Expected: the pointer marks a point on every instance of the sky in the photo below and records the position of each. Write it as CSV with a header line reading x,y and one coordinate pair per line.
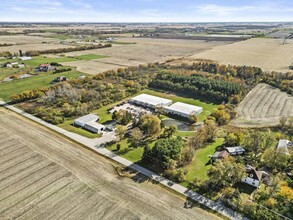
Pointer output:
x,y
146,10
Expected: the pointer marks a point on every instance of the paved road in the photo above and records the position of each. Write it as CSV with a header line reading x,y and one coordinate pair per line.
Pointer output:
x,y
94,145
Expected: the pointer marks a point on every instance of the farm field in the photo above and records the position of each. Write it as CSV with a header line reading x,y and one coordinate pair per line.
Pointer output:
x,y
42,80
142,52
25,43
44,176
269,54
263,106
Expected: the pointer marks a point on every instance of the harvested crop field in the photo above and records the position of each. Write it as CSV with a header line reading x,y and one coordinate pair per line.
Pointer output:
x,y
142,52
44,176
24,43
269,54
263,107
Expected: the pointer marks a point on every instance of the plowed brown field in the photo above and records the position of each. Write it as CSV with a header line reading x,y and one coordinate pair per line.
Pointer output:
x,y
263,107
44,176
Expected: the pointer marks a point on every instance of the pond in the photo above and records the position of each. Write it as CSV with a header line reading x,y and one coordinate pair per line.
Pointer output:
x,y
181,126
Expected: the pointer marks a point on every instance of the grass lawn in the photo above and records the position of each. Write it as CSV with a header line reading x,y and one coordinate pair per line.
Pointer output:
x,y
132,154
89,57
207,107
37,60
198,168
67,125
34,82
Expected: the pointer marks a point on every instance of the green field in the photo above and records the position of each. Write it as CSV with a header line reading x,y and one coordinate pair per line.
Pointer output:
x,y
199,166
37,60
132,154
89,57
34,82
67,125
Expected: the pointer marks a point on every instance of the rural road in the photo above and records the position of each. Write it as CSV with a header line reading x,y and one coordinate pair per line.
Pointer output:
x,y
176,187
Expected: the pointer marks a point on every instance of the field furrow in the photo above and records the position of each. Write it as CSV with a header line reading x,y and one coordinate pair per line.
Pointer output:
x,y
263,107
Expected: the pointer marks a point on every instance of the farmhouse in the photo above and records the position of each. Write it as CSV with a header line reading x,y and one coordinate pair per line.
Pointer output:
x,y
183,109
219,155
253,177
283,146
45,68
94,127
235,150
85,119
150,101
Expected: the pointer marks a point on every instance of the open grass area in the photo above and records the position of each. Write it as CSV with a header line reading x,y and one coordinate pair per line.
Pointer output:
x,y
67,125
132,154
89,57
200,163
34,82
207,107
37,60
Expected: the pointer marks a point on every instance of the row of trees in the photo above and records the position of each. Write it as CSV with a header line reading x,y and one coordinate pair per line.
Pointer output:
x,y
196,85
66,50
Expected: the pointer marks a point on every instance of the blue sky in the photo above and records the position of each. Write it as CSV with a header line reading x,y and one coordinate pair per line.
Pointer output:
x,y
145,10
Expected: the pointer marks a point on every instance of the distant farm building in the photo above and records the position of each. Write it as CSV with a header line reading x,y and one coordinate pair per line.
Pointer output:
x,y
150,101
89,123
183,109
233,151
45,68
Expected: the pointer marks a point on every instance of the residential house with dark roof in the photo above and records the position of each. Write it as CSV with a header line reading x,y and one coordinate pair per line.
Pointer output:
x,y
254,177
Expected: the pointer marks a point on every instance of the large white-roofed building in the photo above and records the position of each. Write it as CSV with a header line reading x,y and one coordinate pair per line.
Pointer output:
x,y
150,101
85,119
183,109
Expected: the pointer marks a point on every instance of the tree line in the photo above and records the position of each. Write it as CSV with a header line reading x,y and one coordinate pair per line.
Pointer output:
x,y
196,85
66,50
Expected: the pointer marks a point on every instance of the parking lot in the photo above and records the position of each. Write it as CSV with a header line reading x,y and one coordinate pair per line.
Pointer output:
x,y
133,109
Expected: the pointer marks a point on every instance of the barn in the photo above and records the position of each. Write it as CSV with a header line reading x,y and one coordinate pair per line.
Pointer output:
x,y
94,127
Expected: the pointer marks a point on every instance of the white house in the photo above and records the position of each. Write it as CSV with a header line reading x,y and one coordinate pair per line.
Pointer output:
x,y
183,109
150,101
94,127
85,119
253,178
283,146
25,58
233,151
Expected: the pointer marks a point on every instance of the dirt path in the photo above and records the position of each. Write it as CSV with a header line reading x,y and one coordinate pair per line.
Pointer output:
x,y
44,176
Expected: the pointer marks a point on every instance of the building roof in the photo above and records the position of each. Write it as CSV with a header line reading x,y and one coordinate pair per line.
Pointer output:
x,y
221,154
45,64
283,145
235,149
184,108
87,118
254,174
151,100
94,124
